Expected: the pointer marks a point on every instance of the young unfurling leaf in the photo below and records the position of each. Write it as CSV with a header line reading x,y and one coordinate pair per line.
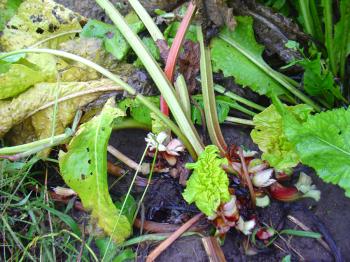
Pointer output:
x,y
208,184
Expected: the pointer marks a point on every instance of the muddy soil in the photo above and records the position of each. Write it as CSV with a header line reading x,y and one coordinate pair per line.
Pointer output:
x,y
165,204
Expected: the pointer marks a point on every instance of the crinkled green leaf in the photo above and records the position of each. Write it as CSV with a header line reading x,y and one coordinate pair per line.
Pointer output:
x,y
269,135
208,184
137,110
84,169
232,62
113,40
323,143
223,106
15,111
36,20
25,72
7,10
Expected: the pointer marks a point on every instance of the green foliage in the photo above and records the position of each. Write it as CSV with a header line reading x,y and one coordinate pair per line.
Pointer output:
x,y
18,76
137,110
208,184
322,142
113,40
84,169
243,62
318,81
223,106
268,134
7,11
152,48
171,31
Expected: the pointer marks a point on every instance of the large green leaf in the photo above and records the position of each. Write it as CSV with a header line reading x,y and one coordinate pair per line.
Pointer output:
x,y
36,20
84,169
208,184
236,53
25,72
269,135
323,143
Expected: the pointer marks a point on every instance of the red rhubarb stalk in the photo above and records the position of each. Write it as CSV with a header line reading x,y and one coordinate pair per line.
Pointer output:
x,y
174,51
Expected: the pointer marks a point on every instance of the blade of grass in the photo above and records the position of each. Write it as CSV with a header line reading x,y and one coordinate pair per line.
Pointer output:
x,y
156,73
209,101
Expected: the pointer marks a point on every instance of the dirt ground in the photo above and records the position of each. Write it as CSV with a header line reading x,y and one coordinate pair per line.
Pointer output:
x,y
164,204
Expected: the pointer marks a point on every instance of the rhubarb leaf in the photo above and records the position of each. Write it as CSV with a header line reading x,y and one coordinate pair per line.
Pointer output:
x,y
208,184
323,143
7,10
84,169
269,135
236,53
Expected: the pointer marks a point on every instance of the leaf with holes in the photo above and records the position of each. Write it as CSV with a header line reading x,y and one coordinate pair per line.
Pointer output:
x,y
84,169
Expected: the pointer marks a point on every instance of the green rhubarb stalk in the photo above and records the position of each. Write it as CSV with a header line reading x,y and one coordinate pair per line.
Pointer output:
x,y
304,6
211,116
120,83
183,95
157,75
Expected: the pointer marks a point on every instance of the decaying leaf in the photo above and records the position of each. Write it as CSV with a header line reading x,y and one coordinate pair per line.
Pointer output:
x,y
36,20
25,72
84,169
18,109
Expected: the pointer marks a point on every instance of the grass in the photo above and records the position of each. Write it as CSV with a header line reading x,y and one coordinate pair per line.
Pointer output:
x,y
30,226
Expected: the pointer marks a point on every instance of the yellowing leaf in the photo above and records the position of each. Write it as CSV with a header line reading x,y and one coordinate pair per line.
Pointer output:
x,y
25,72
36,20
21,107
268,134
84,169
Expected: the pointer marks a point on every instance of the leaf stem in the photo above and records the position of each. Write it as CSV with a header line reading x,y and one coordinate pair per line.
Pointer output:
x,y
328,21
158,77
230,94
237,120
209,101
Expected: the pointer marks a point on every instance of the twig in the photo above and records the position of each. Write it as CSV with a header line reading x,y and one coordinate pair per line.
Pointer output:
x,y
246,176
144,168
166,243
213,249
